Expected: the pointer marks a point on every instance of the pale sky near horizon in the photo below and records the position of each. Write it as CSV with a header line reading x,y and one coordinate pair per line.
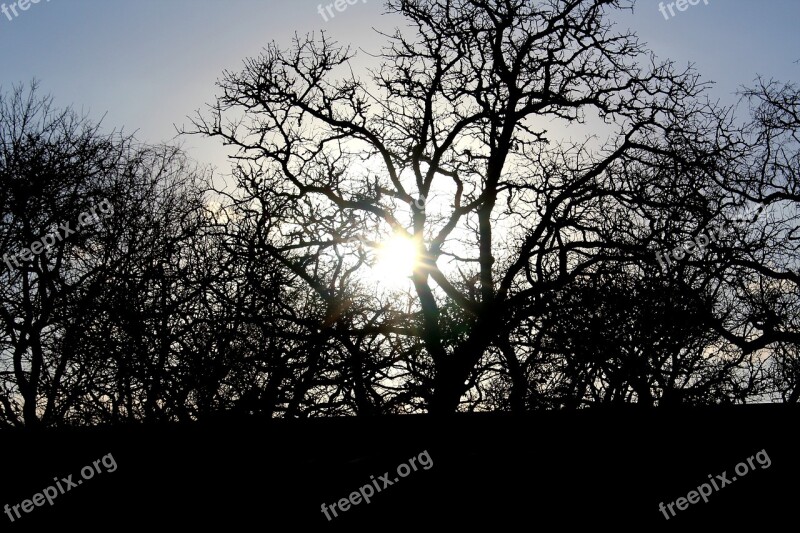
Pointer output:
x,y
147,64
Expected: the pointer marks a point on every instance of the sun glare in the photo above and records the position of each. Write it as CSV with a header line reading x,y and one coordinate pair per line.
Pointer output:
x,y
396,259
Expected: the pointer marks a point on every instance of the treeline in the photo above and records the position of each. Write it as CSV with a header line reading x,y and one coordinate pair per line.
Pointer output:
x,y
538,287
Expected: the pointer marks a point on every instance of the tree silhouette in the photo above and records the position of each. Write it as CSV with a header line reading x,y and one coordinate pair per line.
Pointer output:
x,y
459,116
66,313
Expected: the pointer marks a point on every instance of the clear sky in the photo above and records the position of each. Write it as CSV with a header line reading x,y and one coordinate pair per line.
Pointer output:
x,y
147,64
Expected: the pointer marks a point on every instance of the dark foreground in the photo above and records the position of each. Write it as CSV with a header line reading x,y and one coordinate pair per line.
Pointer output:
x,y
541,471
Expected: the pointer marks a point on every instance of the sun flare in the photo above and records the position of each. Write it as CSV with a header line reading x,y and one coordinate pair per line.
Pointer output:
x,y
396,259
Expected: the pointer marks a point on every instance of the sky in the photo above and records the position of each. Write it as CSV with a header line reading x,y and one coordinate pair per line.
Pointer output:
x,y
144,66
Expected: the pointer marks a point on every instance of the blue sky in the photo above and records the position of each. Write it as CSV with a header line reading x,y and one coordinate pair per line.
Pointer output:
x,y
147,64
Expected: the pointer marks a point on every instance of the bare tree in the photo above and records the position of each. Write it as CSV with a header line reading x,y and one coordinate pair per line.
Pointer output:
x,y
54,166
458,118
75,345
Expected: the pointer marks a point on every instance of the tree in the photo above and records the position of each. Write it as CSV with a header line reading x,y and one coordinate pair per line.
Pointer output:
x,y
46,159
763,271
68,306
457,120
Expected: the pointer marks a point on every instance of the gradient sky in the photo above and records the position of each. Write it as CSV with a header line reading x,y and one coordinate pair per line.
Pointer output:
x,y
147,64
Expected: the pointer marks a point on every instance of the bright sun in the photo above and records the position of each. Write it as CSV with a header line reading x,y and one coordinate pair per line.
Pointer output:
x,y
396,259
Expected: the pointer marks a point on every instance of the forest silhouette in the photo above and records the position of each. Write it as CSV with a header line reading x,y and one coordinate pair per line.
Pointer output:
x,y
532,158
